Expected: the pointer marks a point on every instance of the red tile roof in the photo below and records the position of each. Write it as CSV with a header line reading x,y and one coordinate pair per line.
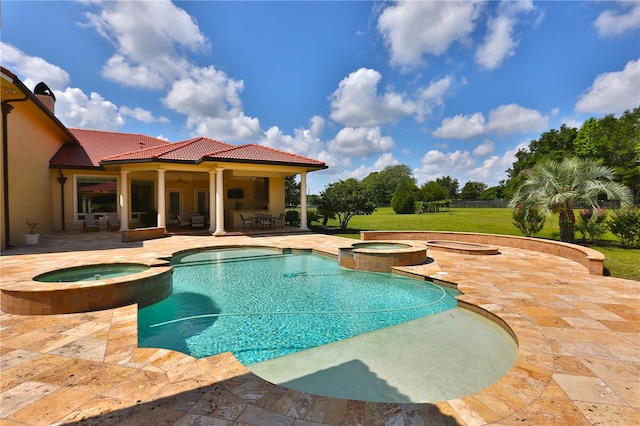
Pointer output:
x,y
191,150
98,148
253,153
96,145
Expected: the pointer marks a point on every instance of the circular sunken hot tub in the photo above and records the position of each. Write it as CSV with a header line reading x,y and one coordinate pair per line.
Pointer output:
x,y
377,246
88,288
463,247
91,272
381,256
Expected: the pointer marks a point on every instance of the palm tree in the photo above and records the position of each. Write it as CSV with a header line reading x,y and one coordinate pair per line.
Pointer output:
x,y
556,186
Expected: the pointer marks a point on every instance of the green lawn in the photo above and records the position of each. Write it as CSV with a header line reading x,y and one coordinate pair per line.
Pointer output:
x,y
622,263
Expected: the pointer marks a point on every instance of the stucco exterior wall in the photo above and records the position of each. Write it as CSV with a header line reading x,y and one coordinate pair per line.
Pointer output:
x,y
31,194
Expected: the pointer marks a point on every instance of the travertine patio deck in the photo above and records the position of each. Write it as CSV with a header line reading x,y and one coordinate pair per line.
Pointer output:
x,y
578,362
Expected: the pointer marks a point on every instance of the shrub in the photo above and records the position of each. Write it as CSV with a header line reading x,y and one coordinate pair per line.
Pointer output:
x,y
292,217
404,198
313,216
591,223
625,224
528,220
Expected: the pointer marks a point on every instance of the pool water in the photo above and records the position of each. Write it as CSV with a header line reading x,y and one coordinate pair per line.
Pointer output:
x,y
261,304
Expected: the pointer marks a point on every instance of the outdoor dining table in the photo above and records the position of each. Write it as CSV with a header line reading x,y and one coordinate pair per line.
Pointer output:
x,y
263,220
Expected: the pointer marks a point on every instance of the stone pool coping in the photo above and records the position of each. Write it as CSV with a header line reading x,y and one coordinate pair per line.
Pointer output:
x,y
577,363
593,260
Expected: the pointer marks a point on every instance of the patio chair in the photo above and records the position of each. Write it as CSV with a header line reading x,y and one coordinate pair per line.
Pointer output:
x,y
197,220
113,223
90,222
278,222
182,222
246,222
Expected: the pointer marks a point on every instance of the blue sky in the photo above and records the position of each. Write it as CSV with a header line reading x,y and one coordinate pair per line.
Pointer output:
x,y
447,88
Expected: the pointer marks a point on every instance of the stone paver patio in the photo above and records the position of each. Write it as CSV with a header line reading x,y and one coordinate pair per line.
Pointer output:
x,y
578,361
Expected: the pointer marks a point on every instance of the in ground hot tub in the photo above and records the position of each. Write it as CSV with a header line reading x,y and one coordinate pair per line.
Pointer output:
x,y
381,256
91,272
88,288
463,247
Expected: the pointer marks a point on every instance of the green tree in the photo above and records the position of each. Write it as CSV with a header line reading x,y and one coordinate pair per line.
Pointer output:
x,y
585,142
493,193
451,185
291,191
557,186
383,184
472,190
346,198
405,197
432,191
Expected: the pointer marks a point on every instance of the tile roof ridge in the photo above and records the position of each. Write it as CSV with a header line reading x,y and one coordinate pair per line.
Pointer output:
x,y
114,133
204,138
283,152
125,153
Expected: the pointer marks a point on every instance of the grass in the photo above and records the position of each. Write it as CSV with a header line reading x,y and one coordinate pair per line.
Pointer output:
x,y
619,262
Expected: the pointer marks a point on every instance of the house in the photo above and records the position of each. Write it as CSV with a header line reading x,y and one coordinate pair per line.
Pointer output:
x,y
54,175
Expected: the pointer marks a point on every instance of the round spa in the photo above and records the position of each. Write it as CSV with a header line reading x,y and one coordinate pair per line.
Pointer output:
x,y
88,288
90,272
381,256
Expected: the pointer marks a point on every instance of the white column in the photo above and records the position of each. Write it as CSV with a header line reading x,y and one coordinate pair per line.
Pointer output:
x,y
213,213
162,200
219,203
303,202
124,200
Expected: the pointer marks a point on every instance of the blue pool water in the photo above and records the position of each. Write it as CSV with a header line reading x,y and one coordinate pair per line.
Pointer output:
x,y
261,304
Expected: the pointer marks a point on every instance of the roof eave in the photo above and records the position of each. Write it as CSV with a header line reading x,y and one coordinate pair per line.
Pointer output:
x,y
24,89
266,162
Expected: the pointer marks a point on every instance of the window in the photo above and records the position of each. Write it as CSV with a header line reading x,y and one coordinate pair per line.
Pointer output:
x,y
96,194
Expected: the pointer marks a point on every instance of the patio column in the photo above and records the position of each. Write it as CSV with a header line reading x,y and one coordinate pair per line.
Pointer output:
x,y
162,201
213,213
219,203
124,200
303,201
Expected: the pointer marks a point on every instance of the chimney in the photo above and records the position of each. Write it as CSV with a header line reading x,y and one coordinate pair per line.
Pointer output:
x,y
46,96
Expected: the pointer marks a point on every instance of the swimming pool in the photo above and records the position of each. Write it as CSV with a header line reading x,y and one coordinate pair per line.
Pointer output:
x,y
261,304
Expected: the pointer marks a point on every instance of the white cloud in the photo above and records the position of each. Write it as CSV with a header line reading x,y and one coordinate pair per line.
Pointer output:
x,y
305,142
436,164
484,149
142,114
498,43
493,169
383,161
75,109
148,37
140,76
411,29
211,102
462,127
432,96
613,92
512,118
611,23
363,170
360,141
32,69
500,40
356,102
505,119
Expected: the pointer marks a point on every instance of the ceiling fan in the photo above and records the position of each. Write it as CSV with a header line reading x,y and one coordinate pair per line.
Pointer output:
x,y
180,180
